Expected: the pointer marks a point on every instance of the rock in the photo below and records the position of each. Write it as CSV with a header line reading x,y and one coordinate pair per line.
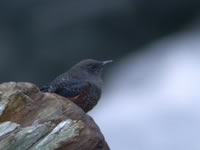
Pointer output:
x,y
32,120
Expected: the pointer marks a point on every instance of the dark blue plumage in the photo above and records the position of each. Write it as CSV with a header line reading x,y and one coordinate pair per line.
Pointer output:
x,y
82,84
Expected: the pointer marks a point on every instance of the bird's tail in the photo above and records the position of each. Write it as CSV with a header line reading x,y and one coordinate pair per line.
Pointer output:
x,y
44,88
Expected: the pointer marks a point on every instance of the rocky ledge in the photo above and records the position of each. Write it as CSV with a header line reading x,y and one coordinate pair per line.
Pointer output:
x,y
32,120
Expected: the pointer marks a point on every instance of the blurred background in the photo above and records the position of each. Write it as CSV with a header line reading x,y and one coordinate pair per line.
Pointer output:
x,y
151,98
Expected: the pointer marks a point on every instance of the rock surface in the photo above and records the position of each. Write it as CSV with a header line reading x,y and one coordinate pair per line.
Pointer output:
x,y
30,119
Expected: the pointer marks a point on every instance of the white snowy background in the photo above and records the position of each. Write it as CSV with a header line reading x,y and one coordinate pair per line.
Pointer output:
x,y
151,101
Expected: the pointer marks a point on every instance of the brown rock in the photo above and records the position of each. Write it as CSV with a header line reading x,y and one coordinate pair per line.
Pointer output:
x,y
30,119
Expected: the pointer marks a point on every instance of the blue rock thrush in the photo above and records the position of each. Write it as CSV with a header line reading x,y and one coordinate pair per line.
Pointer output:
x,y
82,84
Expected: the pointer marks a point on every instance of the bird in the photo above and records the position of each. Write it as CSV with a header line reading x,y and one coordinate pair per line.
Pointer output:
x,y
82,84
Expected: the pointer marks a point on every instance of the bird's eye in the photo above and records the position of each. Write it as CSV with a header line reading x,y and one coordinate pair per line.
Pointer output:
x,y
92,68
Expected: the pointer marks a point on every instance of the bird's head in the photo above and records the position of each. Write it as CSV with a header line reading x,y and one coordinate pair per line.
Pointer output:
x,y
88,69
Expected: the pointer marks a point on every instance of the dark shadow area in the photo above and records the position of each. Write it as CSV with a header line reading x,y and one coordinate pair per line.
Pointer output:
x,y
41,39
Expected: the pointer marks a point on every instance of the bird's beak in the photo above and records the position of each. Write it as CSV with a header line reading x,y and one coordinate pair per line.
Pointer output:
x,y
106,62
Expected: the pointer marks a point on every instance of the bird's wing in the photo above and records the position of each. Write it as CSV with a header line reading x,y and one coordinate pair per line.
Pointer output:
x,y
44,88
68,88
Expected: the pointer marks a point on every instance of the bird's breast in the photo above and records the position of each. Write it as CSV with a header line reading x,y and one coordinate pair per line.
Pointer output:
x,y
87,98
